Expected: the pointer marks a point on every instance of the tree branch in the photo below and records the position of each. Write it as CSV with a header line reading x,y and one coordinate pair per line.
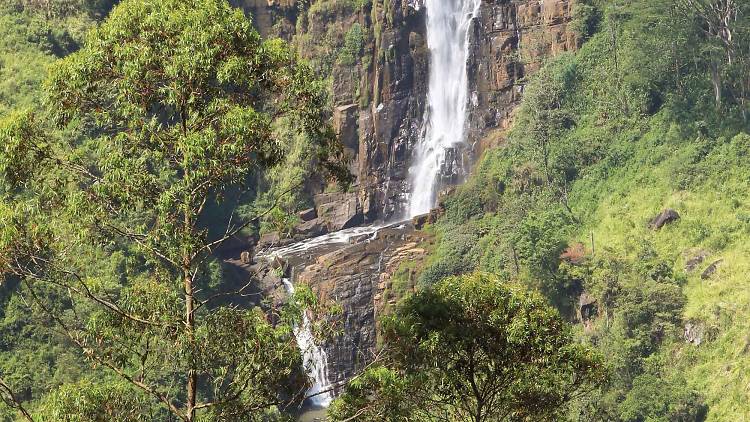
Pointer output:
x,y
10,399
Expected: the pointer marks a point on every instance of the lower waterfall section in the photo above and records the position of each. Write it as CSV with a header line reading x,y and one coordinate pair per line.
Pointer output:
x,y
314,357
354,269
448,24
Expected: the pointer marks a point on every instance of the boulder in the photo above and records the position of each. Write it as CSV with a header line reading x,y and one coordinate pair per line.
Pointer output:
x,y
710,270
312,228
695,261
281,264
430,218
346,126
694,333
587,308
269,240
338,210
420,221
667,216
308,215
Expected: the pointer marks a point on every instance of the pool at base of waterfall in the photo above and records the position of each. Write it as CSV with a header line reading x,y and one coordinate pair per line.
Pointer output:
x,y
317,415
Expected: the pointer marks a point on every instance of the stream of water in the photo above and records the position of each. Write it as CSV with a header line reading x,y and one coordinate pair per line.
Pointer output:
x,y
306,246
314,357
448,24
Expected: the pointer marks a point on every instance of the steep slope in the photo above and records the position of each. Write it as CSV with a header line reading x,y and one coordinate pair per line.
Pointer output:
x,y
621,193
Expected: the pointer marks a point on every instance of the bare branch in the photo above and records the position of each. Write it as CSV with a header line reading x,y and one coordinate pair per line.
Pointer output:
x,y
231,233
7,395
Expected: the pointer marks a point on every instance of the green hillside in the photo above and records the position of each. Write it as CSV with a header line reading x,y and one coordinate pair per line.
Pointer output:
x,y
607,139
593,267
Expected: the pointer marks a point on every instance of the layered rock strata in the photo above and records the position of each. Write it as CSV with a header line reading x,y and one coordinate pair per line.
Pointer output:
x,y
358,278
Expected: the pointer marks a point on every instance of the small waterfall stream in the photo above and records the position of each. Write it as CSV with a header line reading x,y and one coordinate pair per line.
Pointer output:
x,y
448,24
314,357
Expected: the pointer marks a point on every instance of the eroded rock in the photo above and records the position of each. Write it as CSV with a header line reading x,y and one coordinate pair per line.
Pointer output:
x,y
696,260
587,309
311,228
667,216
308,215
430,218
357,277
269,240
338,210
711,269
694,332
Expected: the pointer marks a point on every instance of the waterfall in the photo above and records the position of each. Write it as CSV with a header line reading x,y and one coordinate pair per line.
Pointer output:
x,y
314,358
448,23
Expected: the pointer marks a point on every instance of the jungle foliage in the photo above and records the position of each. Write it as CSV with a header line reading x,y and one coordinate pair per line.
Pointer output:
x,y
107,241
473,348
651,113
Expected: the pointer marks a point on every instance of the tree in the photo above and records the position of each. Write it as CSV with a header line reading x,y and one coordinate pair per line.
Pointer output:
x,y
473,349
724,24
8,397
169,106
717,18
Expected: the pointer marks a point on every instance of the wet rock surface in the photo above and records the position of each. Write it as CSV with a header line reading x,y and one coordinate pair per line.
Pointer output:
x,y
354,276
379,103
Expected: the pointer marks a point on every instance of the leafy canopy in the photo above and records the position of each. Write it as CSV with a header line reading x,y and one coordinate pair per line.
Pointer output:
x,y
473,348
168,107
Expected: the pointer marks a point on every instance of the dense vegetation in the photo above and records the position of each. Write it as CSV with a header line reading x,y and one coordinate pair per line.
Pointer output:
x,y
470,349
122,174
650,114
108,241
33,360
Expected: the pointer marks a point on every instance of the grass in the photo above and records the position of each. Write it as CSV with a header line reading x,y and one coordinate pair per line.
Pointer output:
x,y
713,205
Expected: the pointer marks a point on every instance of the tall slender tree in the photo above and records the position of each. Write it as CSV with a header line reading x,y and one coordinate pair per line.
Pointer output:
x,y
173,104
724,23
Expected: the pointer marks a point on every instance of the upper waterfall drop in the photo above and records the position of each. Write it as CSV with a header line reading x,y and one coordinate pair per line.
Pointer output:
x,y
448,23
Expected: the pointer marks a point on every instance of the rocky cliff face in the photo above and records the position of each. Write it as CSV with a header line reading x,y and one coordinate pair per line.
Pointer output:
x,y
380,99
391,123
379,79
378,61
509,43
358,277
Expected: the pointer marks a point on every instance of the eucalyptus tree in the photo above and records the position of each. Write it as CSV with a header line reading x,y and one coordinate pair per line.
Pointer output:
x,y
474,349
170,106
725,27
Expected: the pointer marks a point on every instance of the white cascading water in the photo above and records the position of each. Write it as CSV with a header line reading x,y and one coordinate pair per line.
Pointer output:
x,y
448,23
314,357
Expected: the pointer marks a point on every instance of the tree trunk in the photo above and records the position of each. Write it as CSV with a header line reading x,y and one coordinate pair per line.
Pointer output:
x,y
744,84
192,377
716,81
